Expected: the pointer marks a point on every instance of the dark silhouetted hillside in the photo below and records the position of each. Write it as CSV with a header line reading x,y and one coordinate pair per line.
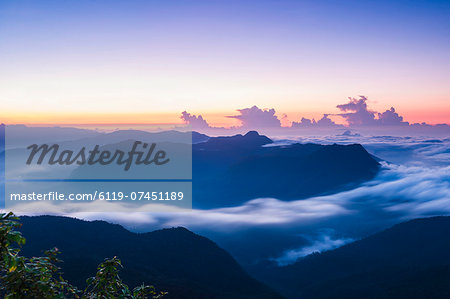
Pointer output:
x,y
242,168
409,260
175,260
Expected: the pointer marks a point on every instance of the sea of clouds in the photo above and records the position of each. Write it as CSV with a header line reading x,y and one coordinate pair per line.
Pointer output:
x,y
414,182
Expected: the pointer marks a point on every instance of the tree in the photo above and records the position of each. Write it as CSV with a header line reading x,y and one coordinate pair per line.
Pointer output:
x,y
39,277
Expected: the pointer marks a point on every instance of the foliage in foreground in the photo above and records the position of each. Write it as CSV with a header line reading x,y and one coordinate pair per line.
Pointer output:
x,y
39,277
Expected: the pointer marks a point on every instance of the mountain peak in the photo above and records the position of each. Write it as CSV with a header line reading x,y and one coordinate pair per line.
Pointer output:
x,y
252,134
251,139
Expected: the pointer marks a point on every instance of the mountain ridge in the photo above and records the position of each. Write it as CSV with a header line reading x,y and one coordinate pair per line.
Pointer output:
x,y
407,260
173,259
243,167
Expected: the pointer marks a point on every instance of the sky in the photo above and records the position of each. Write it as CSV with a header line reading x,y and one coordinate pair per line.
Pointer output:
x,y
147,61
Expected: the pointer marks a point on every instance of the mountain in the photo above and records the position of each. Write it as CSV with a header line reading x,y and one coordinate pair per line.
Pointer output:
x,y
230,170
23,136
250,140
175,260
245,167
409,260
163,136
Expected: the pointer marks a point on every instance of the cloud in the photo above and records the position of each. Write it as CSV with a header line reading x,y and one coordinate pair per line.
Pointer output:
x,y
324,122
415,190
196,122
357,112
254,118
408,191
324,241
425,192
257,212
304,122
391,118
410,187
260,212
349,133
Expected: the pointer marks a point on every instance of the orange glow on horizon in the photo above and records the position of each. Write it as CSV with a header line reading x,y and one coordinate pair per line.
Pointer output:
x,y
216,119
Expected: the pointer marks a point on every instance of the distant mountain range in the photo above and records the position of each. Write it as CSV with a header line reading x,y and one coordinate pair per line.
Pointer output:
x,y
228,171
409,260
231,170
174,260
21,135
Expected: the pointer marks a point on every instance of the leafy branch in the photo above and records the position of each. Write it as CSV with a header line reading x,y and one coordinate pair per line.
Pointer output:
x,y
40,277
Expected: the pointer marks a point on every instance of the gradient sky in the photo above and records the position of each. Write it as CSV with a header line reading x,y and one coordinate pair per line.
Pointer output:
x,y
146,61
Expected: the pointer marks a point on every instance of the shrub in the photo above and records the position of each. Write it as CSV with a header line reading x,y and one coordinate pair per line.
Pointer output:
x,y
39,277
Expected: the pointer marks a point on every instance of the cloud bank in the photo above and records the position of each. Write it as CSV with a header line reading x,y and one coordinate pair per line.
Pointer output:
x,y
254,118
355,113
197,122
413,191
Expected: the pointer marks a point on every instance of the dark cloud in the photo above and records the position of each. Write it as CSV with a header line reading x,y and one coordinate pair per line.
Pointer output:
x,y
254,117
